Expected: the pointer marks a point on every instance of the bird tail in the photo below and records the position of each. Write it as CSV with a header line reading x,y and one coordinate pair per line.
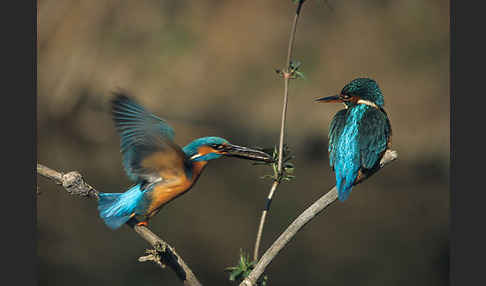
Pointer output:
x,y
117,208
344,184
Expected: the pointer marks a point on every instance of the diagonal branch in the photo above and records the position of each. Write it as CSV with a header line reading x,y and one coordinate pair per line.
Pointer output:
x,y
302,220
287,75
163,253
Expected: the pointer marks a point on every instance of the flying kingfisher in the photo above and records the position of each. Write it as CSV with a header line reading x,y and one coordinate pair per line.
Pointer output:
x,y
161,170
359,134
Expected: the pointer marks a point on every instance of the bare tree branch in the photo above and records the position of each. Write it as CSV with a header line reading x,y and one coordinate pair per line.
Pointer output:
x,y
302,220
262,220
162,254
287,75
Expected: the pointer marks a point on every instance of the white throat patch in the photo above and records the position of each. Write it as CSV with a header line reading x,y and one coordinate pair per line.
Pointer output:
x,y
195,156
367,102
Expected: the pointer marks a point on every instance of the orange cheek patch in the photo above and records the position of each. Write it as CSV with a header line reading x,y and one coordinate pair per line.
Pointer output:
x,y
203,150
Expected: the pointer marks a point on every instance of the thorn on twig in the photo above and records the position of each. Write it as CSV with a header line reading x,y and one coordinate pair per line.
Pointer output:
x,y
155,254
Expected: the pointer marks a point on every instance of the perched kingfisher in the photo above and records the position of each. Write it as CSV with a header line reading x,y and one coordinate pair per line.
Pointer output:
x,y
161,170
359,135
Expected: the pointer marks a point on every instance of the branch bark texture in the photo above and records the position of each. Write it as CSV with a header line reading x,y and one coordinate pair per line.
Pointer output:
x,y
74,184
302,220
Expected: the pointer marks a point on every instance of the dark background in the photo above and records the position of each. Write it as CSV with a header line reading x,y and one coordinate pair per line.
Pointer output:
x,y
208,68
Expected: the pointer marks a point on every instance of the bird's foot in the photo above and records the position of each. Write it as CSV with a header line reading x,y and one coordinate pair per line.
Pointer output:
x,y
143,223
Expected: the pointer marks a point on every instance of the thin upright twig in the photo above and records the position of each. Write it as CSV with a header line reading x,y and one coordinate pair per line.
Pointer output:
x,y
311,212
74,184
287,74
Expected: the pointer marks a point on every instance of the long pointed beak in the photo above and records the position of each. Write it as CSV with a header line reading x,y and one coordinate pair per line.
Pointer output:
x,y
334,98
246,153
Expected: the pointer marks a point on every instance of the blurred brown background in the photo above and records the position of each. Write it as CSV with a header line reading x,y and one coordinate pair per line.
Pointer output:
x,y
208,68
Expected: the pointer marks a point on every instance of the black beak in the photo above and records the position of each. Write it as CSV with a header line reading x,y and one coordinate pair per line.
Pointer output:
x,y
329,99
246,153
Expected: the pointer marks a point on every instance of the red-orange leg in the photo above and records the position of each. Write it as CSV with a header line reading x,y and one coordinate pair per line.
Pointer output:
x,y
143,223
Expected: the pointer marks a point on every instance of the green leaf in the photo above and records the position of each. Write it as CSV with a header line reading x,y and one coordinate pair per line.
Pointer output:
x,y
299,74
235,273
243,269
295,65
288,167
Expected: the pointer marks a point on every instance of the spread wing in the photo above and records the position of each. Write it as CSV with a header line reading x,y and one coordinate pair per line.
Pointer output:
x,y
374,135
146,142
335,129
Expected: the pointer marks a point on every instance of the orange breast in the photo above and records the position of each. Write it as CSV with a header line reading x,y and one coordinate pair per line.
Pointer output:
x,y
166,192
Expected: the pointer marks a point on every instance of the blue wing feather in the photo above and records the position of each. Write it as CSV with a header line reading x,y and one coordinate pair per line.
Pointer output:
x,y
335,129
130,117
142,134
345,151
374,134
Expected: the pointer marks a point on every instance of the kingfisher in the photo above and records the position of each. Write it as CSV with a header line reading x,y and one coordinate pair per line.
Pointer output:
x,y
161,170
359,134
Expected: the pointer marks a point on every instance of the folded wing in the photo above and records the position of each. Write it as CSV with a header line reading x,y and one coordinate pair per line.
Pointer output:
x,y
335,129
374,134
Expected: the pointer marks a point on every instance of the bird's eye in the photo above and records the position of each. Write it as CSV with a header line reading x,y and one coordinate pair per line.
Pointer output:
x,y
345,96
219,147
